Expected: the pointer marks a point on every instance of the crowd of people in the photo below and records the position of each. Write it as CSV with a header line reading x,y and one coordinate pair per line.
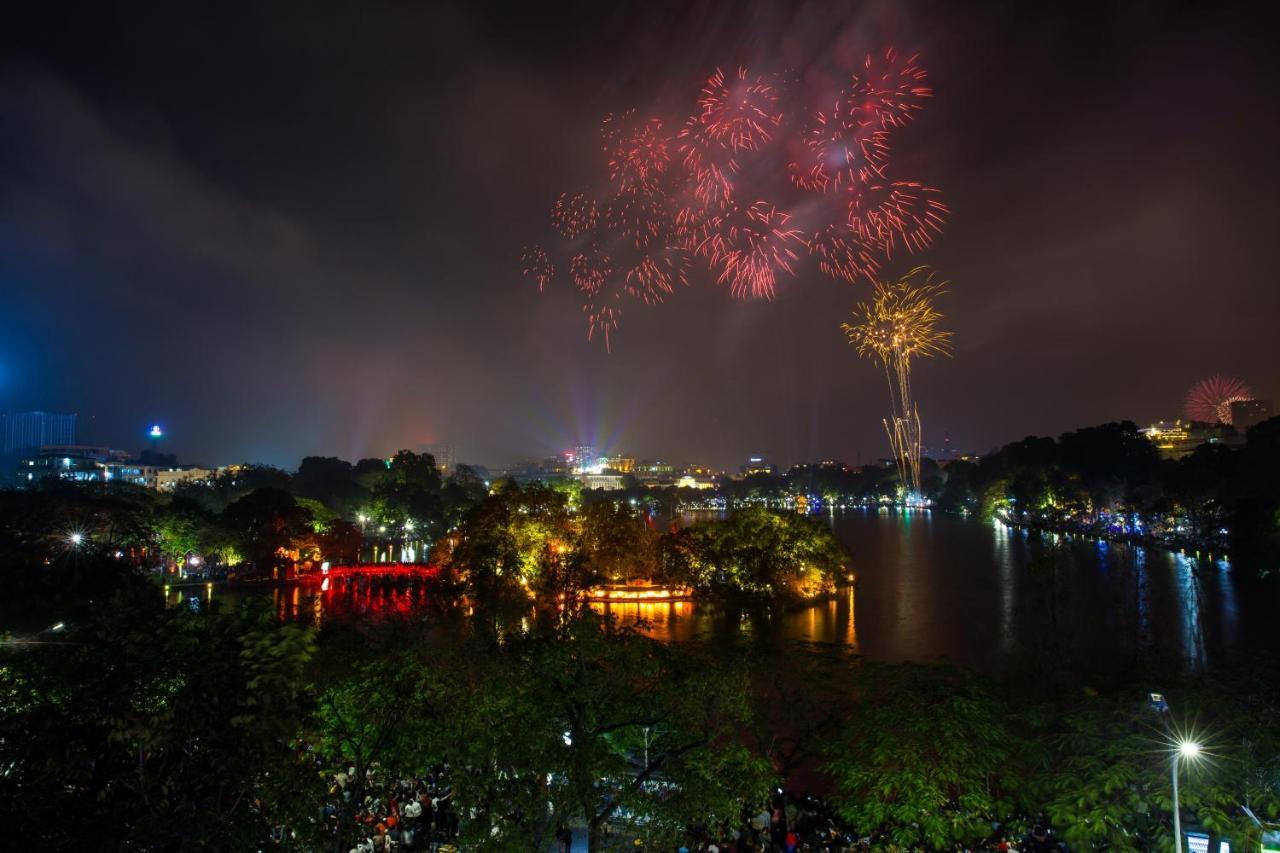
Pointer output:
x,y
407,814
417,814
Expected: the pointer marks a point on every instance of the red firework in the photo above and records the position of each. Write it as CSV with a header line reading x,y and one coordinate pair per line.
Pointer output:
x,y
738,111
676,196
653,279
907,213
589,271
843,253
537,265
839,148
889,89
573,215
638,151
1209,400
592,272
750,247
640,215
709,165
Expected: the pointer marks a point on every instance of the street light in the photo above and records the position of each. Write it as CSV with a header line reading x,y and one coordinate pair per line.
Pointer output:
x,y
1189,750
1184,749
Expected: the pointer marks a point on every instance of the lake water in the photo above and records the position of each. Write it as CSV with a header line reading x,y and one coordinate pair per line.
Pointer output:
x,y
932,586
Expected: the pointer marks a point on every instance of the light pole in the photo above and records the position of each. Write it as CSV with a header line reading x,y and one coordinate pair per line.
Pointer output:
x,y
1184,749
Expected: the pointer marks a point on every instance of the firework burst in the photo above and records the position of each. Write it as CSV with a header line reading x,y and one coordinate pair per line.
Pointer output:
x,y
738,111
638,151
897,325
710,167
574,215
890,89
536,265
750,247
684,191
843,253
1209,400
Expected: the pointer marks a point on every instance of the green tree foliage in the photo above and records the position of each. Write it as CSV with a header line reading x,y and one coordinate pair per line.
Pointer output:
x,y
920,756
265,521
410,491
147,728
601,725
510,538
758,552
615,543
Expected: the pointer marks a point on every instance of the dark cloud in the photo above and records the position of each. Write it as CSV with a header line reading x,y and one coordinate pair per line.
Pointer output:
x,y
287,229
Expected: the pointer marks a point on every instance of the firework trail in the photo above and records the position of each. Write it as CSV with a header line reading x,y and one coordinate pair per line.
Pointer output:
x,y
897,325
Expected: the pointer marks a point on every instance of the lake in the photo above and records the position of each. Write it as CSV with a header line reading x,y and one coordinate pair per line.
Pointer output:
x,y
933,586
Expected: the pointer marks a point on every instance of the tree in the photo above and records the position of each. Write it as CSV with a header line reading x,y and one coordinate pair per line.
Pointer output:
x,y
265,522
615,542
332,482
602,725
410,491
148,728
920,757
379,705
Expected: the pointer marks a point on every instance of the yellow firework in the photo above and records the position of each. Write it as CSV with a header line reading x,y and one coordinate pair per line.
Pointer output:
x,y
899,324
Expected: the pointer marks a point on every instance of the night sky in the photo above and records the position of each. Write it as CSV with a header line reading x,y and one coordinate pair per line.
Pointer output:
x,y
282,230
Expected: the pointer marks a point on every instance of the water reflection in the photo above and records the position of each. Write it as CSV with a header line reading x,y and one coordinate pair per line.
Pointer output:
x,y
929,586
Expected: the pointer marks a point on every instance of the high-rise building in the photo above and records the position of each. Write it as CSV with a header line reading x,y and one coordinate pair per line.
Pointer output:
x,y
584,459
25,432
442,453
1247,413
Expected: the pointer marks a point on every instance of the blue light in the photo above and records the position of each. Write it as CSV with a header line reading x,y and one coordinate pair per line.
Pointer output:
x,y
155,431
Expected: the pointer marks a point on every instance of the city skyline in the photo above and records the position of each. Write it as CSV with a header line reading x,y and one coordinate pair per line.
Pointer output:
x,y
276,259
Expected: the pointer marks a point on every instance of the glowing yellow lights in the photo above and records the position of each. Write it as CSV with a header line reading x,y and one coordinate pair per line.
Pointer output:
x,y
637,592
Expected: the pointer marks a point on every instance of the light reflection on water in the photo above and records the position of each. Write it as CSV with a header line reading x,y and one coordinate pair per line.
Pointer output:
x,y
929,586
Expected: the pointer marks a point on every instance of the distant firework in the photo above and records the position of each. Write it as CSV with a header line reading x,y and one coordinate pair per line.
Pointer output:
x,y
1209,400
537,266
573,215
761,174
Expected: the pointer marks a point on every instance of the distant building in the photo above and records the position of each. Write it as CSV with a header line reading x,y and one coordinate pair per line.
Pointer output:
x,y
689,481
584,459
167,479
442,453
650,470
618,462
26,432
1247,413
600,481
1176,439
757,465
84,464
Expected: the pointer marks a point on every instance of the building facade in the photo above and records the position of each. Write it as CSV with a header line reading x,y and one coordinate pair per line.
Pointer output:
x,y
26,432
84,464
